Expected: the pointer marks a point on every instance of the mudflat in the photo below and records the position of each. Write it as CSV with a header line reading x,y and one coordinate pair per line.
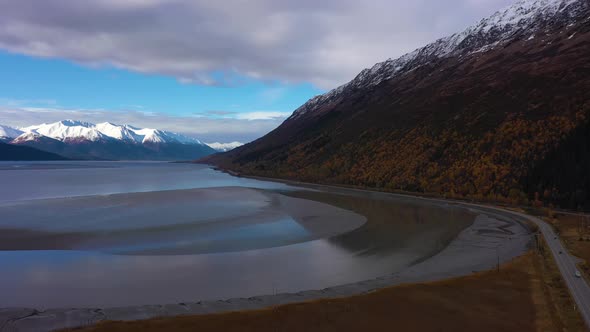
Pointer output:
x,y
138,251
176,222
186,245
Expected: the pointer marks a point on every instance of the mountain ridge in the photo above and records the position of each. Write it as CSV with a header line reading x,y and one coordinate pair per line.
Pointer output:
x,y
73,129
483,121
499,26
83,140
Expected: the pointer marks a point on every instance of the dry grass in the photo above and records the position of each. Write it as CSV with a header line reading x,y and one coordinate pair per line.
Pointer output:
x,y
521,297
574,231
553,303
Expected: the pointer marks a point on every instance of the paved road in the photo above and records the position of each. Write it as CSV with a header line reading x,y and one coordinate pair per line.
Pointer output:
x,y
578,287
566,263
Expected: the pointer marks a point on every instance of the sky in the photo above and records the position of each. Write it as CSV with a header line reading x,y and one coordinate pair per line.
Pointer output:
x,y
216,70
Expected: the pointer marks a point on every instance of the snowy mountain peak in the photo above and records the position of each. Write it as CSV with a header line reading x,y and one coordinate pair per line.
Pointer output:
x,y
27,137
521,20
67,129
78,130
224,147
152,136
9,132
524,10
74,123
117,132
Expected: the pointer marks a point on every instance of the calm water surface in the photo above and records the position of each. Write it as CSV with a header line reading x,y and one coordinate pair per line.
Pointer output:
x,y
33,180
96,234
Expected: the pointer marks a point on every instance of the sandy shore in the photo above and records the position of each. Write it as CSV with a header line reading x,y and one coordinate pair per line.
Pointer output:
x,y
493,238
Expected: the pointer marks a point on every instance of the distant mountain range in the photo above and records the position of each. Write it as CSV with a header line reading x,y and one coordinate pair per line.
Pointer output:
x,y
224,147
499,111
105,141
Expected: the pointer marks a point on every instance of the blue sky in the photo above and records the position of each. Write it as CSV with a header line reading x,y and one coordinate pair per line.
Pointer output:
x,y
216,70
65,84
45,84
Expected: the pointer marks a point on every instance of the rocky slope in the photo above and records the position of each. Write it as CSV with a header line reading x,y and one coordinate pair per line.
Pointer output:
x,y
484,113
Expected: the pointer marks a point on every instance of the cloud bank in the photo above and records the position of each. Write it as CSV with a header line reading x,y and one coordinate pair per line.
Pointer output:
x,y
219,42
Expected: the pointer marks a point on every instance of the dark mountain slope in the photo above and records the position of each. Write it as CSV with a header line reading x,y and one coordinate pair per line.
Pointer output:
x,y
563,177
118,150
24,153
483,123
110,149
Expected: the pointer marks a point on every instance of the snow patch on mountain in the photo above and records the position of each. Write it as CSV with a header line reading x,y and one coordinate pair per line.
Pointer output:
x,y
27,137
122,133
529,16
149,135
9,132
67,129
224,147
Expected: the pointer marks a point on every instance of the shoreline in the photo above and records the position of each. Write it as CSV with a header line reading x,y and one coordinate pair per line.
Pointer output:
x,y
492,239
424,195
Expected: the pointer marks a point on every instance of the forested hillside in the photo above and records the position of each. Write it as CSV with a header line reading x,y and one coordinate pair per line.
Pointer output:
x,y
507,123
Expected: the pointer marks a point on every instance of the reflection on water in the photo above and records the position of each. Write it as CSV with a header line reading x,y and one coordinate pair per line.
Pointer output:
x,y
394,224
83,279
67,179
229,242
176,222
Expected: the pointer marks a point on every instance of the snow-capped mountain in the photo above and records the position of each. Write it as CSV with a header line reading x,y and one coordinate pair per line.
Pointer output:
x,y
498,109
70,129
7,133
67,129
224,147
27,137
529,17
83,140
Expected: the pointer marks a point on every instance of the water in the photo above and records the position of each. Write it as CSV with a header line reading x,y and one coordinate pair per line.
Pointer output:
x,y
34,180
100,234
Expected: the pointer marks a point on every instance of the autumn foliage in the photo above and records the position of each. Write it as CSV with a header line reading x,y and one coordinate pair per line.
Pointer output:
x,y
510,125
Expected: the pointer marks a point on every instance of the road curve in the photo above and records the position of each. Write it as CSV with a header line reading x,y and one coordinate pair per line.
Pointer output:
x,y
578,287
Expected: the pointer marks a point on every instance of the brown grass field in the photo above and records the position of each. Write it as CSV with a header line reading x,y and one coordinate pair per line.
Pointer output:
x,y
525,295
574,230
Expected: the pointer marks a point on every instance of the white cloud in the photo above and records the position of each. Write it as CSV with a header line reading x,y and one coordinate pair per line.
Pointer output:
x,y
250,116
323,42
22,102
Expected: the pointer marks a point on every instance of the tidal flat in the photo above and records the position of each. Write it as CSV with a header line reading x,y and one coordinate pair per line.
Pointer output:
x,y
117,238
